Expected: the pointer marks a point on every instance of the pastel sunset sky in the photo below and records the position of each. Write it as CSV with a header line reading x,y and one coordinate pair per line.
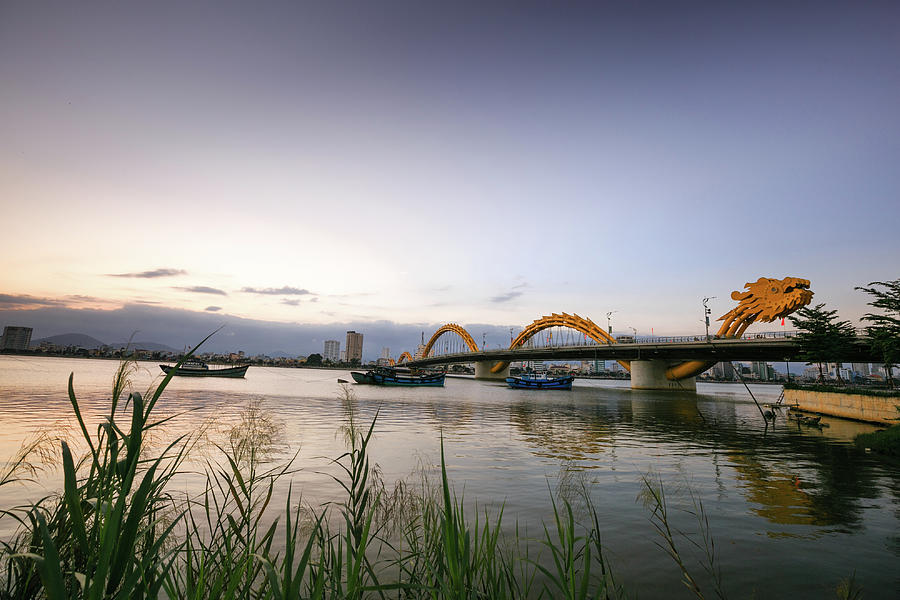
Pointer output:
x,y
417,163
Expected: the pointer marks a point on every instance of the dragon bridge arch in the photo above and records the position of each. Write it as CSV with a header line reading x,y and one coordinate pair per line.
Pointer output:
x,y
451,328
580,324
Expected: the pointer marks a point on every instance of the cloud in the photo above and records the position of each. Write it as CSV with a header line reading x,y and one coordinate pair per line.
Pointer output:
x,y
213,308
291,302
81,298
152,274
510,295
9,301
282,291
506,297
201,289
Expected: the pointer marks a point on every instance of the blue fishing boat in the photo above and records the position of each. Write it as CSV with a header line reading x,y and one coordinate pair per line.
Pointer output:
x,y
530,382
399,377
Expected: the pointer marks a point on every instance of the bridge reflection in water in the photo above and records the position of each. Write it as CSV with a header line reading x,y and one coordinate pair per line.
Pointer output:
x,y
789,476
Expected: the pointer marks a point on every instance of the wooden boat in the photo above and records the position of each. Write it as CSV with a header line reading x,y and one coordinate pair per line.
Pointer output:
x,y
198,368
399,377
362,377
541,383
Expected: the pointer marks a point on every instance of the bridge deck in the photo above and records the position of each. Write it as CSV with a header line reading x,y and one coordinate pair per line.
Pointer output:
x,y
768,349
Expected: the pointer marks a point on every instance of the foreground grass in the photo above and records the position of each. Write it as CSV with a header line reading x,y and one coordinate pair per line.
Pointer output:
x,y
116,531
886,441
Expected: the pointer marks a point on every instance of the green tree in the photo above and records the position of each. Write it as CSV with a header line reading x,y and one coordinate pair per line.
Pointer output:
x,y
821,338
884,331
314,360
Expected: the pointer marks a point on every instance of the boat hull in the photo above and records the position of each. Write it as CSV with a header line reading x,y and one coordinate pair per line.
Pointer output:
x,y
365,378
232,372
552,383
409,380
388,378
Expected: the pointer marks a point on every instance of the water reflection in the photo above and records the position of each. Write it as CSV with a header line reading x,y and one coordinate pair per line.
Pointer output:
x,y
788,478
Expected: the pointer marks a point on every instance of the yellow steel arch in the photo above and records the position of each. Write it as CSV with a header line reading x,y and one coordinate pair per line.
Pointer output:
x,y
406,356
580,324
454,328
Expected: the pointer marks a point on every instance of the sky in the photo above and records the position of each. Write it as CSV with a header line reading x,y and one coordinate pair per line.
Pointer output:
x,y
392,166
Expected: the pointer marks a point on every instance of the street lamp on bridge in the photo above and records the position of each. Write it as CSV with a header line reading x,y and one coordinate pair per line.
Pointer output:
x,y
706,312
609,323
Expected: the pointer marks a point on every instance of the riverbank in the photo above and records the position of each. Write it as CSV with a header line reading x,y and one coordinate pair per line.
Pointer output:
x,y
860,404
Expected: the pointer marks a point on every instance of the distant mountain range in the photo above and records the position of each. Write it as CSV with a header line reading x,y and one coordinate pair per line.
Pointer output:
x,y
85,341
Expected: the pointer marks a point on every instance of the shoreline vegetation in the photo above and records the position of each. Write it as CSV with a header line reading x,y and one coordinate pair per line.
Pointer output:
x,y
858,390
117,530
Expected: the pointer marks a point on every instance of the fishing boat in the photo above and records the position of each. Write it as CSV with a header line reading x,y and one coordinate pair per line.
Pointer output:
x,y
398,377
198,368
363,377
531,382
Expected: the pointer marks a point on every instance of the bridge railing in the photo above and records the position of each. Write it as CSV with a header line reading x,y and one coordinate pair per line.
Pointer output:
x,y
763,335
679,339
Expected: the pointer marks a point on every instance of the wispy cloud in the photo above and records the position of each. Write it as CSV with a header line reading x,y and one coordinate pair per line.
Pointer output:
x,y
512,294
291,302
505,297
10,301
201,289
151,274
282,291
213,308
81,298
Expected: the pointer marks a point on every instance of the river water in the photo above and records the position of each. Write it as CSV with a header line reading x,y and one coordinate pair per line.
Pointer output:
x,y
792,509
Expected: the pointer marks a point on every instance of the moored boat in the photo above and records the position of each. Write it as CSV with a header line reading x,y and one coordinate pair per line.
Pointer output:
x,y
540,383
362,377
198,368
399,377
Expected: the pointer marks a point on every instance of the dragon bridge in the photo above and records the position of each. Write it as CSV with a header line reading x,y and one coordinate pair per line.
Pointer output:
x,y
764,300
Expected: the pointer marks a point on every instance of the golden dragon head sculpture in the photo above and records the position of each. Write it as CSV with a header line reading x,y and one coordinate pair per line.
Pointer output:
x,y
765,300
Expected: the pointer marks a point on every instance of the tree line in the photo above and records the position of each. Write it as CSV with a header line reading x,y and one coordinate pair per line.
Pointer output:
x,y
824,339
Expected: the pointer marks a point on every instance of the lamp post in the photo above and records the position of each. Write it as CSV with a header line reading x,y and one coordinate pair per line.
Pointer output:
x,y
609,323
706,312
635,333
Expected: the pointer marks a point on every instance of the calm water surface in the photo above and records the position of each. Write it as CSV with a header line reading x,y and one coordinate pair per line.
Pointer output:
x,y
793,510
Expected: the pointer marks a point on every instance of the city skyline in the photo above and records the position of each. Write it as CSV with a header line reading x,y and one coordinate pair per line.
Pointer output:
x,y
360,167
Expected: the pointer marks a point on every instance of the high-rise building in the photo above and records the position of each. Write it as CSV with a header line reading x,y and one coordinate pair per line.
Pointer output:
x,y
723,370
332,351
354,346
762,370
420,349
385,352
15,338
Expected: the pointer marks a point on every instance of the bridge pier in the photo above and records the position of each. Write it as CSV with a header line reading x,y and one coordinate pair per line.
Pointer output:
x,y
483,371
651,375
